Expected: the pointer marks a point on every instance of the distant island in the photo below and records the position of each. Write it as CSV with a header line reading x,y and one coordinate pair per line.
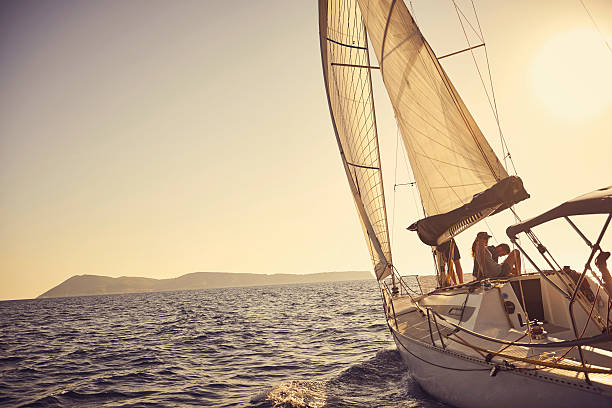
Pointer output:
x,y
87,285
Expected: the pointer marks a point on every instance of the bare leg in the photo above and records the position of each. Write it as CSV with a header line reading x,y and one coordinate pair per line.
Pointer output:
x,y
514,261
442,278
601,264
459,271
517,256
452,279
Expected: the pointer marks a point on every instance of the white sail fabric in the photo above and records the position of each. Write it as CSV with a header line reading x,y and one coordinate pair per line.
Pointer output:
x,y
344,52
450,158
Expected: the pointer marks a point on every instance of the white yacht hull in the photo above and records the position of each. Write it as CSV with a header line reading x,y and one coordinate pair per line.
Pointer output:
x,y
470,384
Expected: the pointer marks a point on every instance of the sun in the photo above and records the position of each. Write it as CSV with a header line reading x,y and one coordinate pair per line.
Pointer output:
x,y
571,75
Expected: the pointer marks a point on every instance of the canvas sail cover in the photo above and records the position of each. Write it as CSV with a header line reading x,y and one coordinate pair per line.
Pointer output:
x,y
438,228
450,158
345,57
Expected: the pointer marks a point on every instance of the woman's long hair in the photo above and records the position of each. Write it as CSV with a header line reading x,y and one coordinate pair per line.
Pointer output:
x,y
474,244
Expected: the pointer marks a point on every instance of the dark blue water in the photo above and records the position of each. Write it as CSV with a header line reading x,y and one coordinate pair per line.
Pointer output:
x,y
315,345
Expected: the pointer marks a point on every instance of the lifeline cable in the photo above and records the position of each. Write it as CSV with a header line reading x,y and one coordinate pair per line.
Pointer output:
x,y
578,342
434,364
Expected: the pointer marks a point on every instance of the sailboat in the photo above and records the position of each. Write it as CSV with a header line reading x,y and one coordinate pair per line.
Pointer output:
x,y
534,339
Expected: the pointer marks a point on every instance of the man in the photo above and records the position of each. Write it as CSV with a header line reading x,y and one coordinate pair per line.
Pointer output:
x,y
496,252
448,251
486,266
499,250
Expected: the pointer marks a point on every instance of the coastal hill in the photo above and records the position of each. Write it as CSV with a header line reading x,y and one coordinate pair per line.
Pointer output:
x,y
84,285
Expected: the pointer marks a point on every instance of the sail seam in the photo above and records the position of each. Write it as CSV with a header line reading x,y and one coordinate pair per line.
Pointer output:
x,y
346,45
361,166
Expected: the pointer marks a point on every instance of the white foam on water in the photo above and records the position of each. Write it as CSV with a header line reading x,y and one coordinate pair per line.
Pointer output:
x,y
298,394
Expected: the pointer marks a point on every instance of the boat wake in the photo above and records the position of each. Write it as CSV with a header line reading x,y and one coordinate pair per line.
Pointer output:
x,y
299,393
382,381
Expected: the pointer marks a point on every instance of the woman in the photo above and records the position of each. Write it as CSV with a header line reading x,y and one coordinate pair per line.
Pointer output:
x,y
489,268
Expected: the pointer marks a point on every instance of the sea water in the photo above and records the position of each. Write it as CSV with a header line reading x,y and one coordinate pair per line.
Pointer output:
x,y
310,345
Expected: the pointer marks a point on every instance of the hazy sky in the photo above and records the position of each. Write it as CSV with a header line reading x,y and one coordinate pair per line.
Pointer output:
x,y
157,138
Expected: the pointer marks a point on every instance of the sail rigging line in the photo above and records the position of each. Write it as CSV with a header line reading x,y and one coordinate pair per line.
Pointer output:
x,y
490,230
439,172
443,178
406,161
493,107
586,324
496,111
508,345
396,184
409,170
394,187
526,314
596,26
491,99
460,51
412,13
467,20
446,82
403,284
598,338
435,364
543,365
504,143
506,367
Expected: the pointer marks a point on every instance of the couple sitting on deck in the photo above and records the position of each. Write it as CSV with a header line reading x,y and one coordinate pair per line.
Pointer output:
x,y
486,259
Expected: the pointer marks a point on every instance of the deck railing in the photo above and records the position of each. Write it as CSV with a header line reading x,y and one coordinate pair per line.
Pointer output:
x,y
433,317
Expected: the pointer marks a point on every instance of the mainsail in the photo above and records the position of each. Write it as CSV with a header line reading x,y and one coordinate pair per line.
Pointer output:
x,y
345,57
451,160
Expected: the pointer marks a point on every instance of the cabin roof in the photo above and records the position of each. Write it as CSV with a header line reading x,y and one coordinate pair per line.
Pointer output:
x,y
595,202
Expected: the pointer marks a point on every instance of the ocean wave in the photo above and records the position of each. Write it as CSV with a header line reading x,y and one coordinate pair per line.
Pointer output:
x,y
297,346
10,360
